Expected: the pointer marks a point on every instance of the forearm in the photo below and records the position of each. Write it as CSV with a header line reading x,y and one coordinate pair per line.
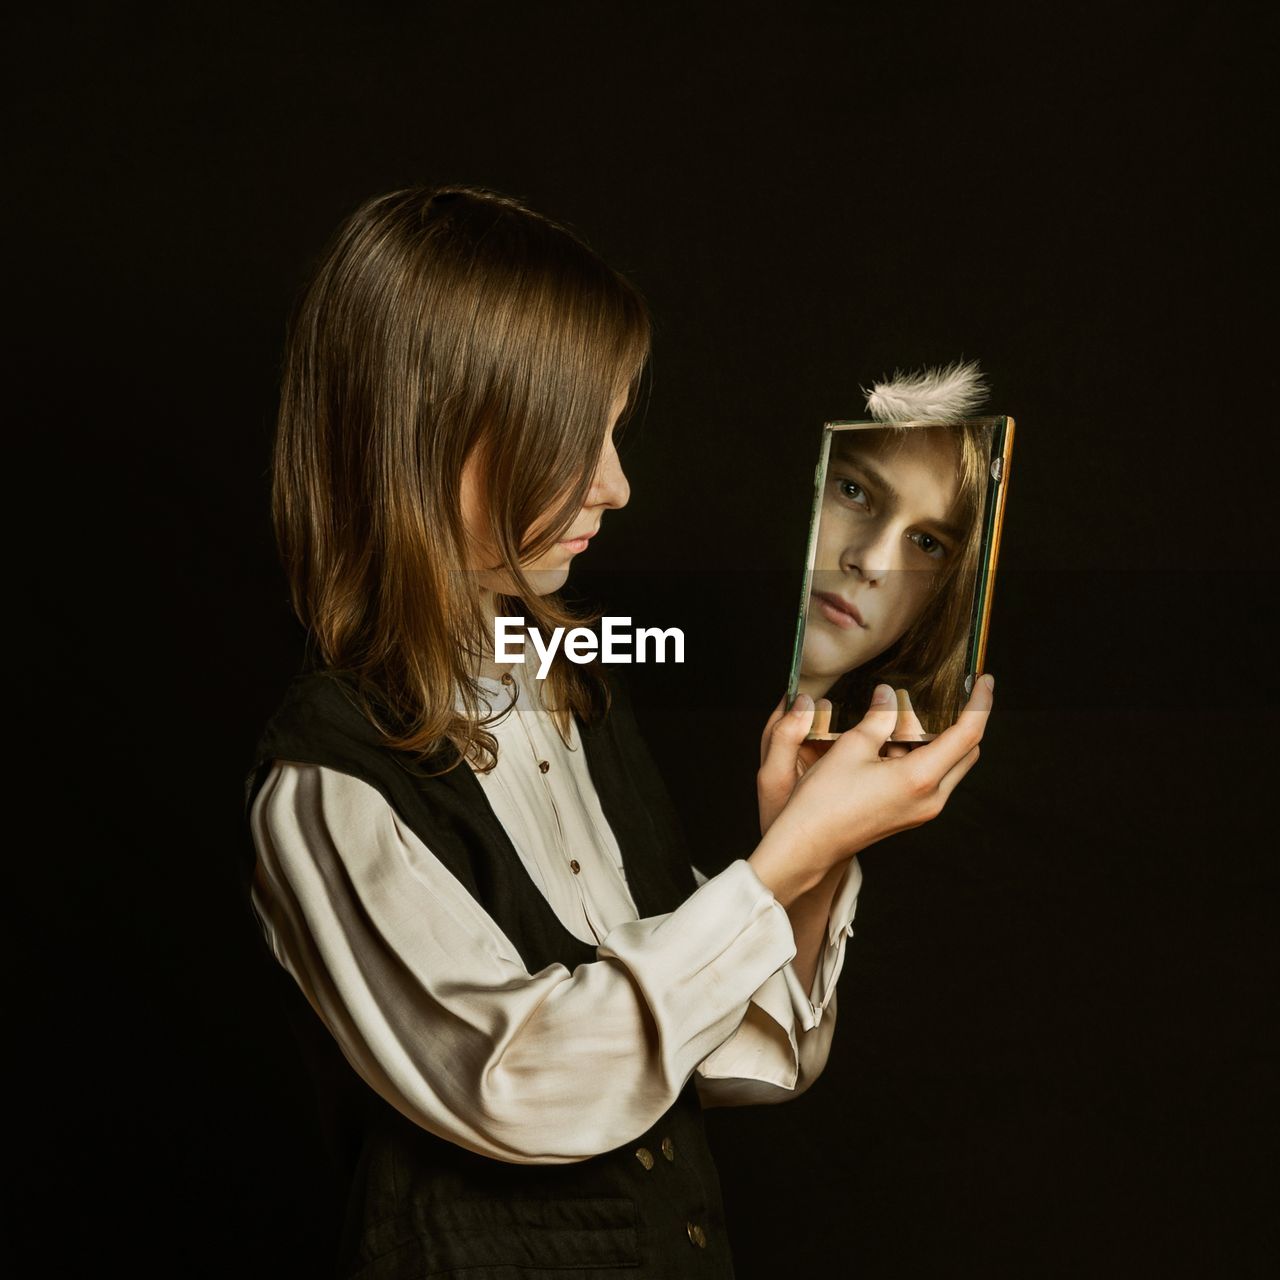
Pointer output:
x,y
435,1009
809,914
805,893
788,877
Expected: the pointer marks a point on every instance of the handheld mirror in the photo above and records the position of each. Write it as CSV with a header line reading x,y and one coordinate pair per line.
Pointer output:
x,y
900,568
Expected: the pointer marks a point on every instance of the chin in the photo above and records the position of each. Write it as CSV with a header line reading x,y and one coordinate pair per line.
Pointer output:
x,y
826,655
822,663
546,581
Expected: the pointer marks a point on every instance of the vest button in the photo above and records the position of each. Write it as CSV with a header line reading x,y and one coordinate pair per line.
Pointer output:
x,y
576,865
696,1235
544,765
645,1156
668,1148
506,678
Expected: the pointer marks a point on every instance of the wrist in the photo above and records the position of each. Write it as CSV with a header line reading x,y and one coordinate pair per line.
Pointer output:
x,y
787,873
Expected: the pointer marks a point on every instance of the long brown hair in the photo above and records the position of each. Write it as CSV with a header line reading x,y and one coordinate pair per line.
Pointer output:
x,y
443,320
929,658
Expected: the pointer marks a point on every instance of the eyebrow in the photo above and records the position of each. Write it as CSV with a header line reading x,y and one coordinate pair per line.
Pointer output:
x,y
877,477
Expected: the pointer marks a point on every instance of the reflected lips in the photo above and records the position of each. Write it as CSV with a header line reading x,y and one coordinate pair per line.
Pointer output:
x,y
837,610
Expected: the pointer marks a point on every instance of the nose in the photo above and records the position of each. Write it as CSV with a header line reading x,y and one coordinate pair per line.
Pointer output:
x,y
609,486
873,559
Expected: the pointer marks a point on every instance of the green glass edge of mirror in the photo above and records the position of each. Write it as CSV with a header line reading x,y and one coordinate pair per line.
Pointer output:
x,y
992,519
819,480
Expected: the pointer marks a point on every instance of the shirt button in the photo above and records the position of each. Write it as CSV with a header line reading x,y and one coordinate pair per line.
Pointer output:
x,y
696,1234
668,1148
645,1156
576,865
544,765
506,678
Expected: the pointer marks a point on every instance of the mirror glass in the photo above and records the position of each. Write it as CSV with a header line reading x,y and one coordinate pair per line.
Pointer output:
x,y
898,581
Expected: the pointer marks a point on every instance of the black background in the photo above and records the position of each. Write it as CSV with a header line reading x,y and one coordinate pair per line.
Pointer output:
x,y
1050,1057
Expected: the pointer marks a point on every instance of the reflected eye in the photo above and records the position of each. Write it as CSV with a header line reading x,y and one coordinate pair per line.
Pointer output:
x,y
929,545
852,491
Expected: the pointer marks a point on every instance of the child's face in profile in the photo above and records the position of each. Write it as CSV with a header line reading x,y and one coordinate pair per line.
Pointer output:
x,y
887,528
549,571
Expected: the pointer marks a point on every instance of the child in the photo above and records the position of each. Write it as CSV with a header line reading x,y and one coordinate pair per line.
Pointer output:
x,y
476,879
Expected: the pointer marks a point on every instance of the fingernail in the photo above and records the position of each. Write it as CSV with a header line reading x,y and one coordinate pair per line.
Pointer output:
x,y
883,696
990,682
802,705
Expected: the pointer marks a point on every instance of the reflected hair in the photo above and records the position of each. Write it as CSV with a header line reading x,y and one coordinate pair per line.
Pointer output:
x,y
442,321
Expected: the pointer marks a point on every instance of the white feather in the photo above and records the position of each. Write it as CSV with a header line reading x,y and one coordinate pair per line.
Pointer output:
x,y
946,394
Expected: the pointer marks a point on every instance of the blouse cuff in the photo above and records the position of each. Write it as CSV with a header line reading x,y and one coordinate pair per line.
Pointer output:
x,y
767,1048
809,1006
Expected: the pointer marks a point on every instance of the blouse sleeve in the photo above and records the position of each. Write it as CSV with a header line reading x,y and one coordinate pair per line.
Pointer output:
x,y
433,1007
784,1040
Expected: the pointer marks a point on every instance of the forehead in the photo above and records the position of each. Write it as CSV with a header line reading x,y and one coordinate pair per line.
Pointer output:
x,y
920,465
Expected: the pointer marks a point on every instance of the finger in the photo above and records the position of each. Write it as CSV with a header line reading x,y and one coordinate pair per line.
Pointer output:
x,y
778,767
778,712
935,759
908,725
951,779
866,737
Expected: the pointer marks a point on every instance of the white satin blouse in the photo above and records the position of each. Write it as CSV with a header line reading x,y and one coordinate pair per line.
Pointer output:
x,y
433,1007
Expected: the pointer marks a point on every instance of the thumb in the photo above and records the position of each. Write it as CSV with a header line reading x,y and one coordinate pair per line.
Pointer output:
x,y
877,726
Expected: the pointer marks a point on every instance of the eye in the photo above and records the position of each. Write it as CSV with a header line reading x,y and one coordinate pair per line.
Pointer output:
x,y
929,545
851,491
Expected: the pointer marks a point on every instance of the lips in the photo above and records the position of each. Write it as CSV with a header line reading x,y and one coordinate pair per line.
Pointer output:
x,y
582,537
841,611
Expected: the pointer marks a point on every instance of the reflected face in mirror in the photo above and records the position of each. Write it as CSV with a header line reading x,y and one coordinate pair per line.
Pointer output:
x,y
889,533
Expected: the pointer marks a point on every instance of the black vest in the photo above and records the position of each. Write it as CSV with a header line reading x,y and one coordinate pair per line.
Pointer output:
x,y
418,1205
